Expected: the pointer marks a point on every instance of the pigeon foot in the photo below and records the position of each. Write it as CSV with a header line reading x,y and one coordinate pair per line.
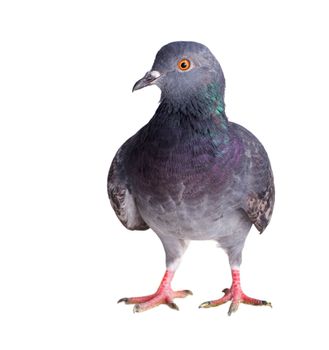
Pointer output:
x,y
236,295
164,295
150,301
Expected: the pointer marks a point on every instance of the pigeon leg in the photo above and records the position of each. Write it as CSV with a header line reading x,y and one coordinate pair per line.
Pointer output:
x,y
164,295
236,295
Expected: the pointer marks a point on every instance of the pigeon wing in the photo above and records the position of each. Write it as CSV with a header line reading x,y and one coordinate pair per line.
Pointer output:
x,y
260,205
259,201
120,195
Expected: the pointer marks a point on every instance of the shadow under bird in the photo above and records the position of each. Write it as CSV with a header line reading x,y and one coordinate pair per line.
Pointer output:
x,y
190,174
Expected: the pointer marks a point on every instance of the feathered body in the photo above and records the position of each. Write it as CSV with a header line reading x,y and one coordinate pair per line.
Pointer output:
x,y
190,174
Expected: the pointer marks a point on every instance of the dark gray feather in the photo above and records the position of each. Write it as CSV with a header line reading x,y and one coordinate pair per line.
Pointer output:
x,y
122,201
260,208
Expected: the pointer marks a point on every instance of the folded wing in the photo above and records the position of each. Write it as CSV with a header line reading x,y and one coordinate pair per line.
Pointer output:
x,y
120,195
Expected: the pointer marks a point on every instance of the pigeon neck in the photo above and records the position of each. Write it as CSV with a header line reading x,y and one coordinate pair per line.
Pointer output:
x,y
203,108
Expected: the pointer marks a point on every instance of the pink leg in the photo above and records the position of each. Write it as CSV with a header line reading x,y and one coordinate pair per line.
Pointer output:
x,y
164,295
235,294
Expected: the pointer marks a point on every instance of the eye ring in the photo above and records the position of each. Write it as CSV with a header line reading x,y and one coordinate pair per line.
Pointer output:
x,y
184,64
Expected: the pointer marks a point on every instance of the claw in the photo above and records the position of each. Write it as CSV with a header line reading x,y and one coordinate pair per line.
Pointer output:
x,y
123,300
267,303
137,308
205,305
233,307
173,306
188,292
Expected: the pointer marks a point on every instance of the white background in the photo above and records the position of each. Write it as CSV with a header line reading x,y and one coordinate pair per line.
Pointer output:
x,y
66,73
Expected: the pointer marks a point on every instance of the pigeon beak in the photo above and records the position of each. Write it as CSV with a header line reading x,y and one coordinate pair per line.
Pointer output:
x,y
148,79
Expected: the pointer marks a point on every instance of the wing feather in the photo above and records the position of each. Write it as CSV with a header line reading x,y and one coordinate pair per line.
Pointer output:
x,y
260,207
121,198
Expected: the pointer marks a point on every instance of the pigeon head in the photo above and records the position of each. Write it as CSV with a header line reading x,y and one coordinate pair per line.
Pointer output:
x,y
184,70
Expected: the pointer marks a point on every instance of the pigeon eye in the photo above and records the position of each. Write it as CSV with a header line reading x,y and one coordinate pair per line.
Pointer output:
x,y
184,64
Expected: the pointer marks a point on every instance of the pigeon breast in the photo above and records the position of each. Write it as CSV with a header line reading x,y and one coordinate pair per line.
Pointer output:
x,y
185,174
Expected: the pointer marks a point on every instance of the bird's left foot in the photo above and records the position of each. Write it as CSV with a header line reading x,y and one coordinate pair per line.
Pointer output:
x,y
236,295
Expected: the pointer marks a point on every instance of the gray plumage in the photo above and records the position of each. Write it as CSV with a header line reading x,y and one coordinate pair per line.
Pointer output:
x,y
190,174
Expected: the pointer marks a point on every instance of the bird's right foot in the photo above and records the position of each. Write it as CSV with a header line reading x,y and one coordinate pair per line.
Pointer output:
x,y
160,297
164,295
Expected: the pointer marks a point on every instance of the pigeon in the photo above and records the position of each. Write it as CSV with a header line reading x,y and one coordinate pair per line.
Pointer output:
x,y
190,174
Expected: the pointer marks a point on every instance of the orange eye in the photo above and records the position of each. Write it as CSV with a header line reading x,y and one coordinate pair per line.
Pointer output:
x,y
184,64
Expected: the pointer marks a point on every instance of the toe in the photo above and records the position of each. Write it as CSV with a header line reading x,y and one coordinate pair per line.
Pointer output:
x,y
224,299
181,293
252,301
